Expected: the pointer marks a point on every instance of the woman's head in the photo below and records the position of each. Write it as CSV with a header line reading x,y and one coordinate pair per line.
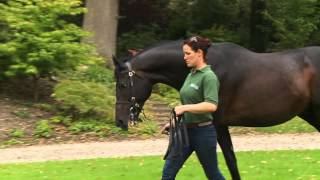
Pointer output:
x,y
197,42
195,49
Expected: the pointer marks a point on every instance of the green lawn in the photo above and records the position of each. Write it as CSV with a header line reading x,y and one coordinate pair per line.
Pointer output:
x,y
259,165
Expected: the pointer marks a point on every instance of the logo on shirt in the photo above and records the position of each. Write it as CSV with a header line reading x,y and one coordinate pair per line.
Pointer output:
x,y
194,86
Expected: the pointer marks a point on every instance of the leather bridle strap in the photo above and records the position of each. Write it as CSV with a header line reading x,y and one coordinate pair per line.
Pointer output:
x,y
135,107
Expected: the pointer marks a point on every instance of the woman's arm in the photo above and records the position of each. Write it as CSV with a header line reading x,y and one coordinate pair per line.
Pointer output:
x,y
199,108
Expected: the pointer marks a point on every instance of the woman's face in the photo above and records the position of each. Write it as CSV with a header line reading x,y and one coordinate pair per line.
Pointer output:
x,y
192,58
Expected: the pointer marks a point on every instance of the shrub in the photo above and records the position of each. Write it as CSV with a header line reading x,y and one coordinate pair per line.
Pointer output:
x,y
87,125
220,34
61,119
95,73
82,99
166,93
17,133
41,42
45,107
10,142
21,114
43,129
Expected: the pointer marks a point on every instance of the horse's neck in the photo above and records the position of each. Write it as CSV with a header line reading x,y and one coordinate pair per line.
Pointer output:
x,y
167,70
168,76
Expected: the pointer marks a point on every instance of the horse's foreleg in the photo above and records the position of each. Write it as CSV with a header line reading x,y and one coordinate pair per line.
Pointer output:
x,y
224,140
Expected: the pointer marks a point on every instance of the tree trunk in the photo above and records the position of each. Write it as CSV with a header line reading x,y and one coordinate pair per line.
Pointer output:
x,y
102,20
258,26
35,81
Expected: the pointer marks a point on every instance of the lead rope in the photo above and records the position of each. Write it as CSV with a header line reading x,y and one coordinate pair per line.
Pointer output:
x,y
176,140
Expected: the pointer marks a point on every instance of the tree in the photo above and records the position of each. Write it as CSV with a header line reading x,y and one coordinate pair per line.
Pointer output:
x,y
258,26
295,23
102,20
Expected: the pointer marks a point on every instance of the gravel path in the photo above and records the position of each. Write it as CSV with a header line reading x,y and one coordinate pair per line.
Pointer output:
x,y
149,147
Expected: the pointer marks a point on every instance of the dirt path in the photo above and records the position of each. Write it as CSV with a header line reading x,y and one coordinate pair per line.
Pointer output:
x,y
149,147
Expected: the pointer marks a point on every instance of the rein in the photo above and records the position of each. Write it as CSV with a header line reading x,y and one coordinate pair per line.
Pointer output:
x,y
178,136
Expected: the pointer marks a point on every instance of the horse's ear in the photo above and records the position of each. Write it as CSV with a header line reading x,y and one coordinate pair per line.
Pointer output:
x,y
133,52
117,63
114,59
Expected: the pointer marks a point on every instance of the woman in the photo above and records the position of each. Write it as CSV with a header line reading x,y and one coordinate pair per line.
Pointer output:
x,y
199,97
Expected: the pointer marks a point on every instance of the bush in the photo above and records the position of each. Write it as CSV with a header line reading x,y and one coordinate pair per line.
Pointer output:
x,y
95,73
17,133
61,119
166,93
220,34
43,129
81,99
45,107
41,42
87,125
21,114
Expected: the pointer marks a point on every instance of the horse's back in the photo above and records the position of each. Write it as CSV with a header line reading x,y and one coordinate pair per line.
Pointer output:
x,y
261,88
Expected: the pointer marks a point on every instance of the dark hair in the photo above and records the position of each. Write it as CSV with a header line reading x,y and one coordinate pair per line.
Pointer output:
x,y
197,42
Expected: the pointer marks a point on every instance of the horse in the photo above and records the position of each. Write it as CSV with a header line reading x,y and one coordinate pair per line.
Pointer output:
x,y
256,89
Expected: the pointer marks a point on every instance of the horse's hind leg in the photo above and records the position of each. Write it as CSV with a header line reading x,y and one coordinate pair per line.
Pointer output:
x,y
312,116
224,140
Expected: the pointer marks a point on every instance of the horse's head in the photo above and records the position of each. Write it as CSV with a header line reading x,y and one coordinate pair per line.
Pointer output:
x,y
132,90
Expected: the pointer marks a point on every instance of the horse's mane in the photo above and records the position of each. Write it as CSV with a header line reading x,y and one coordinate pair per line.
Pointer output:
x,y
167,44
159,44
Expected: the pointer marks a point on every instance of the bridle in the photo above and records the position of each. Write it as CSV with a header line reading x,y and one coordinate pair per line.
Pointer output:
x,y
135,107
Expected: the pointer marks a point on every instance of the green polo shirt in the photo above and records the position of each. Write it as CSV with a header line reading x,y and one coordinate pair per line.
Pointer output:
x,y
200,86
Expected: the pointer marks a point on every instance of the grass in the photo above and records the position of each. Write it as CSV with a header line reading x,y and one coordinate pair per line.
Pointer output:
x,y
258,165
295,125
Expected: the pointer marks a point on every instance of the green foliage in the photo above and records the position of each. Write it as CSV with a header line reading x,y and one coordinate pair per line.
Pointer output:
x,y
9,143
41,42
61,119
220,34
145,128
85,98
138,38
296,125
45,107
17,133
43,129
97,74
294,22
87,125
284,24
21,113
206,13
166,93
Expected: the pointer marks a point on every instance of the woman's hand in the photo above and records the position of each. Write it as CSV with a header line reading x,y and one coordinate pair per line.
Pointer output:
x,y
179,110
165,129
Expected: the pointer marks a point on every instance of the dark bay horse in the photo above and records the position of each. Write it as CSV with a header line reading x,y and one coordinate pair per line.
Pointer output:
x,y
256,89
